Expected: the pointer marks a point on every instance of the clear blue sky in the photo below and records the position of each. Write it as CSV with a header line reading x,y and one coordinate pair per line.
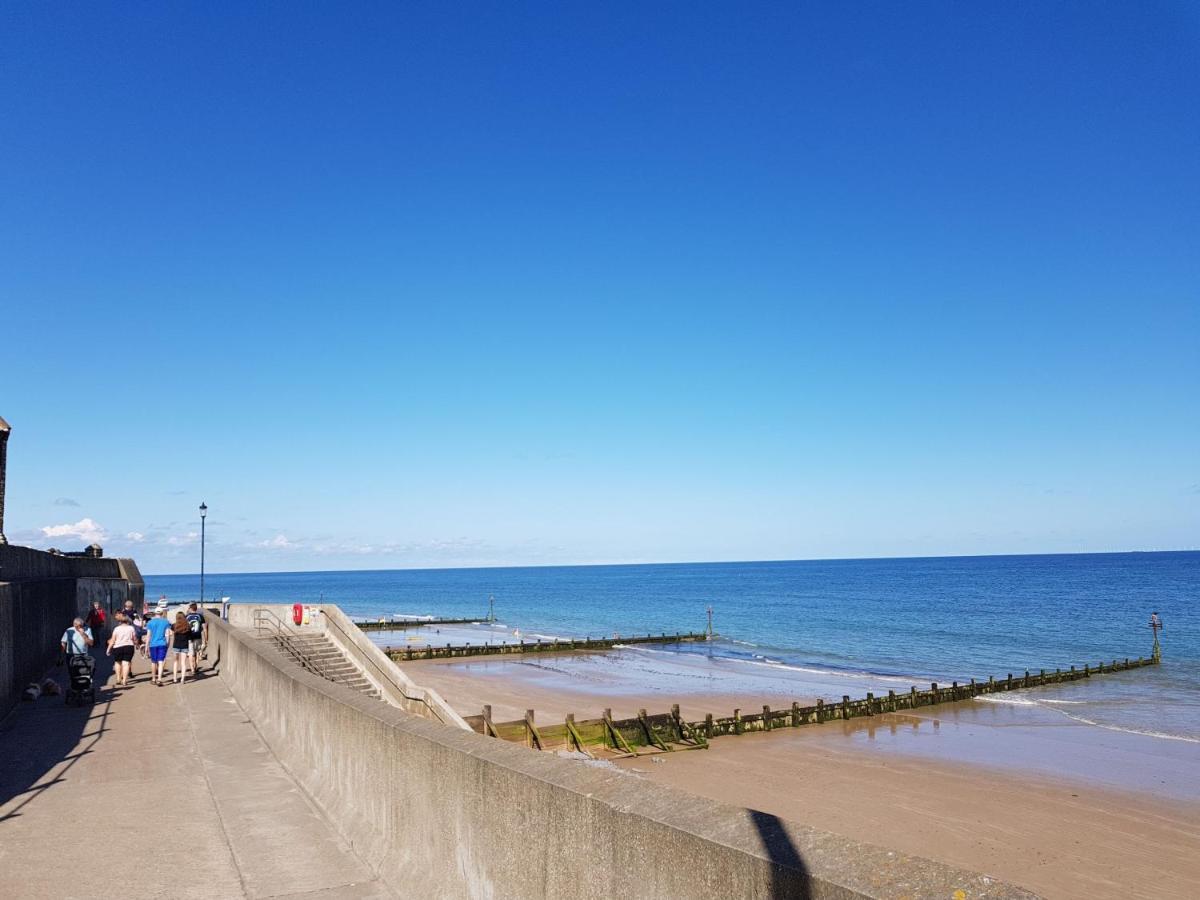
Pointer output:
x,y
556,283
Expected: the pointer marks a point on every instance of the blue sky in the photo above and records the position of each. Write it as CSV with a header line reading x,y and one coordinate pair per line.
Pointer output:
x,y
559,283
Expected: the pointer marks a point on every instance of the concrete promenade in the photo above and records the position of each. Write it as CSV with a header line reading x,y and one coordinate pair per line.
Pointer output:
x,y
159,792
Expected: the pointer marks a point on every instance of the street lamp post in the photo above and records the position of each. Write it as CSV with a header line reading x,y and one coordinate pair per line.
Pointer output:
x,y
203,513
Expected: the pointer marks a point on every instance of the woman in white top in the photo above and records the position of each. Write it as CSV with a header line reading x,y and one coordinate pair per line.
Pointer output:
x,y
121,646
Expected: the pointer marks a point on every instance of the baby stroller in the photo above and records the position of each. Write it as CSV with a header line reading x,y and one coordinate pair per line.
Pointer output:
x,y
81,670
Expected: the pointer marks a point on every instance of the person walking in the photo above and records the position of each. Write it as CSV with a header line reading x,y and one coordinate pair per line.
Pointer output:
x,y
121,645
95,620
181,637
199,640
76,639
157,631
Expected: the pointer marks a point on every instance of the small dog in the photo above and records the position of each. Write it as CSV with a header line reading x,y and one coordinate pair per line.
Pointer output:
x,y
32,692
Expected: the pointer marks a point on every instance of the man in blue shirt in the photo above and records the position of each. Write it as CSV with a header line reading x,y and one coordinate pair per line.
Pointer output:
x,y
157,630
76,639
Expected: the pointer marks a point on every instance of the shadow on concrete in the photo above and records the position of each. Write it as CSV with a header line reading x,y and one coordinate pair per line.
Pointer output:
x,y
789,874
46,736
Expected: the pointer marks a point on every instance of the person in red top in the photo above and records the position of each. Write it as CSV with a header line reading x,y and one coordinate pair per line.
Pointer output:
x,y
95,620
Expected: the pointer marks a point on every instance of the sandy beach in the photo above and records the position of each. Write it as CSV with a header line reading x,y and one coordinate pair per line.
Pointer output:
x,y
1022,792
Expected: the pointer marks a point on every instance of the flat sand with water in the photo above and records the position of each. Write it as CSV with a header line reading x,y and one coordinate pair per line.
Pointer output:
x,y
1021,791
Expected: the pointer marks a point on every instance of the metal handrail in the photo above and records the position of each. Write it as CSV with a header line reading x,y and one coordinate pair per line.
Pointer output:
x,y
285,636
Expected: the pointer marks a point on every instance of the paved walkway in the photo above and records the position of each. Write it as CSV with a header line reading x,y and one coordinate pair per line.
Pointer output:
x,y
159,792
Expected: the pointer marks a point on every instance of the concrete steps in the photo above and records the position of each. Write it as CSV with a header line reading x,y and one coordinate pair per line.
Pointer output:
x,y
321,656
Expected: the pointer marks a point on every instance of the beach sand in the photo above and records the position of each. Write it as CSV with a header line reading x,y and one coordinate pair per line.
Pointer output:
x,y
1060,839
1020,792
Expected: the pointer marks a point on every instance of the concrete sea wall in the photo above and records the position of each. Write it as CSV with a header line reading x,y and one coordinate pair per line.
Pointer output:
x,y
40,593
33,616
442,812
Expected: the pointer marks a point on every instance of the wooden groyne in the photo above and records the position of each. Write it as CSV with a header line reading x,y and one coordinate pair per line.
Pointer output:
x,y
400,624
558,645
666,732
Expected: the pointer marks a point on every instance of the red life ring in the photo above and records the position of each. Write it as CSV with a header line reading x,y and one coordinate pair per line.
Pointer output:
x,y
298,613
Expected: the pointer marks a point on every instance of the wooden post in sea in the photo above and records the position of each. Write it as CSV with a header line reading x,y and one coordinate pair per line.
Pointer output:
x,y
820,711
891,701
737,721
845,707
766,718
795,714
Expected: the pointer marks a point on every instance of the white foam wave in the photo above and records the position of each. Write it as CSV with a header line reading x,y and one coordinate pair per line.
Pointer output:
x,y
1142,731
1054,704
1008,701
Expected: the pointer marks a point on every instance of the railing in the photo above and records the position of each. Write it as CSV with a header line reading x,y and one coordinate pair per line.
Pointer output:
x,y
385,671
285,636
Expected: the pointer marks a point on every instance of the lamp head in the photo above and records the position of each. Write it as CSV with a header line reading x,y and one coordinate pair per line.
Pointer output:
x,y
203,510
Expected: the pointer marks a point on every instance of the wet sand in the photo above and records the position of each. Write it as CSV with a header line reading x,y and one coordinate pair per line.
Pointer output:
x,y
1059,839
549,685
1025,792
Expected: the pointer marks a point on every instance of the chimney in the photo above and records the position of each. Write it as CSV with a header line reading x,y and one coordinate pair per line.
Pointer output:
x,y
4,430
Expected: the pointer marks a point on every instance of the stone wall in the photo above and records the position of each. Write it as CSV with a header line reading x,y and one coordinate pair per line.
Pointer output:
x,y
441,812
33,616
40,593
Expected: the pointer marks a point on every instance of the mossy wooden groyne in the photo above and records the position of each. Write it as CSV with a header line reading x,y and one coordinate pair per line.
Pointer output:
x,y
401,624
667,732
557,645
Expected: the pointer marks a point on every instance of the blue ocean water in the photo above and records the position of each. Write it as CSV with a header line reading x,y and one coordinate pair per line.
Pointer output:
x,y
929,619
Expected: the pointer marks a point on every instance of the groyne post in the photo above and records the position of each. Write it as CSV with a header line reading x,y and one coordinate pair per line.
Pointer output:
x,y
892,701
845,707
795,714
820,711
535,738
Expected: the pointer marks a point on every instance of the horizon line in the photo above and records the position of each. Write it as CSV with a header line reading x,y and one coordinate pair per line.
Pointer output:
x,y
712,562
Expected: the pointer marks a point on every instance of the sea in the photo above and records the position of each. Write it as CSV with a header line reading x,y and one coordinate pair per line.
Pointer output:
x,y
817,627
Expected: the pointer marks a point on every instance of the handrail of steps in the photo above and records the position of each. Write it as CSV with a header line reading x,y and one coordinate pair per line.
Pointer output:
x,y
267,621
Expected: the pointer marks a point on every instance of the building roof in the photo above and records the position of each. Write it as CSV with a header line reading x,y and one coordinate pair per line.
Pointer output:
x,y
4,426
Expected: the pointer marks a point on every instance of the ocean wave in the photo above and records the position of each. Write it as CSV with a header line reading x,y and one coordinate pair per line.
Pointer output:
x,y
1008,701
1065,702
1142,731
1053,705
769,663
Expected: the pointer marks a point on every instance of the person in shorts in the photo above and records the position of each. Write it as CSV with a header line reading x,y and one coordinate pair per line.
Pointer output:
x,y
157,631
121,645
199,628
181,643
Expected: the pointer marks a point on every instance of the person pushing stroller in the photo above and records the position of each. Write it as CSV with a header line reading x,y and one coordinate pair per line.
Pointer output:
x,y
80,666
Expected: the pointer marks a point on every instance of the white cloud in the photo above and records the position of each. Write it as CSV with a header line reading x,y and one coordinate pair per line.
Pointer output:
x,y
66,501
182,540
279,542
86,530
136,536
